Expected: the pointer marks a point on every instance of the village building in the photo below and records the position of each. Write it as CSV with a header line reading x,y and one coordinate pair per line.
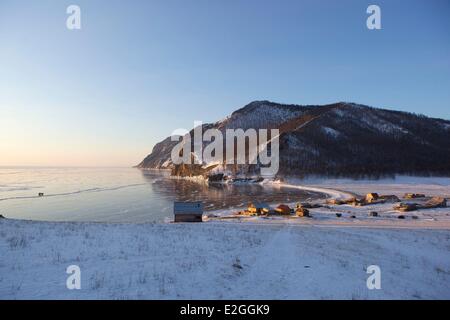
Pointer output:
x,y
302,212
258,208
414,195
371,197
283,209
188,211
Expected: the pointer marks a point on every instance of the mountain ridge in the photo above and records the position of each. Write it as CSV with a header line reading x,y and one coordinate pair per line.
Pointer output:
x,y
341,138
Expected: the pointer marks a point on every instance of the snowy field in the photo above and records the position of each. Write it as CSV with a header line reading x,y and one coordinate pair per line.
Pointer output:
x,y
220,260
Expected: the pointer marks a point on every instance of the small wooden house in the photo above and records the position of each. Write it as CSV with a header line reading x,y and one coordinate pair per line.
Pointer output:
x,y
414,195
283,209
258,208
371,197
188,211
302,212
404,207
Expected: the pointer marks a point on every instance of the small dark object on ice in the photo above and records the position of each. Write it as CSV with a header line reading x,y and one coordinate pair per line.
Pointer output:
x,y
237,264
338,215
40,194
2,217
401,217
373,214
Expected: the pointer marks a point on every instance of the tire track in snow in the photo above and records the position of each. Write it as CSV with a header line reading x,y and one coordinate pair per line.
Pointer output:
x,y
275,257
335,194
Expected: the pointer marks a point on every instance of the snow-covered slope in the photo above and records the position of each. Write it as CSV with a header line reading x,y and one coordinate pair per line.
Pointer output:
x,y
261,114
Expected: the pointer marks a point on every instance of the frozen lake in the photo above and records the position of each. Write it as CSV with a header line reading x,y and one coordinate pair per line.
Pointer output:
x,y
120,194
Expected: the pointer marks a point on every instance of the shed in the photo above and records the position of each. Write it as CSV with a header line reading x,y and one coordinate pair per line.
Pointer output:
x,y
302,212
414,195
402,206
188,211
371,197
258,208
283,209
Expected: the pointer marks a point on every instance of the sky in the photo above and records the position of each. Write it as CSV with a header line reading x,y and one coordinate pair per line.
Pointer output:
x,y
137,70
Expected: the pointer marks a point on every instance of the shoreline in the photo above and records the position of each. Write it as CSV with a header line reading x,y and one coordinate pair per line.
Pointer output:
x,y
351,216
325,215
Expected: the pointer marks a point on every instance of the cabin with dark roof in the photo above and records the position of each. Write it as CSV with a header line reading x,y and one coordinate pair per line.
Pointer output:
x,y
188,211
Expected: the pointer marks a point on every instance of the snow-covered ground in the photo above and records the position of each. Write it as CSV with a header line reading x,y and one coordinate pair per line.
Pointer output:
x,y
436,186
323,257
220,261
342,189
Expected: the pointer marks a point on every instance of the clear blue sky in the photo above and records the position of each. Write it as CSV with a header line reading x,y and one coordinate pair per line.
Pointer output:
x,y
137,70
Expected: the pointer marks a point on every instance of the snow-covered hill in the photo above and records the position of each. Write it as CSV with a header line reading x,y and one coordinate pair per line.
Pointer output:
x,y
341,139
